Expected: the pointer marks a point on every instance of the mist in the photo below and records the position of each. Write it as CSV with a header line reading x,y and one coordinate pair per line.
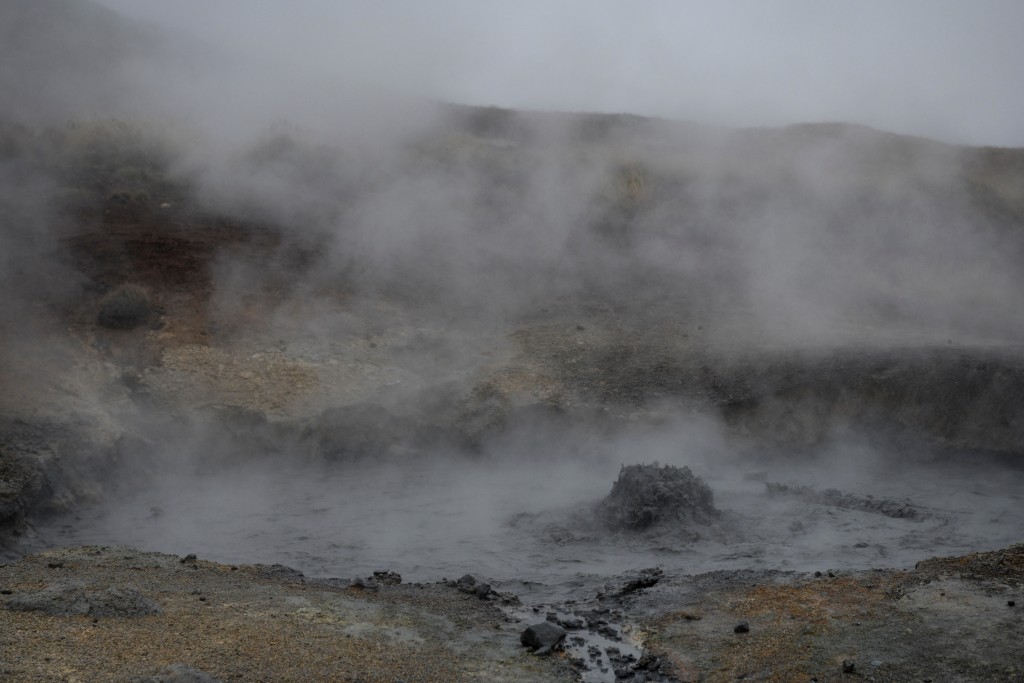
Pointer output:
x,y
423,280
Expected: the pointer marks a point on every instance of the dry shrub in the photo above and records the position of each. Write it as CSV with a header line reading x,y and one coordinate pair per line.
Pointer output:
x,y
125,308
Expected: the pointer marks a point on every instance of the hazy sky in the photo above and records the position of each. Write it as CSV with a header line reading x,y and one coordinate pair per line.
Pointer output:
x,y
949,69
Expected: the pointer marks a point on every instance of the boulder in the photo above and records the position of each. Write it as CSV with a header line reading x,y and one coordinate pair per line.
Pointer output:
x,y
542,635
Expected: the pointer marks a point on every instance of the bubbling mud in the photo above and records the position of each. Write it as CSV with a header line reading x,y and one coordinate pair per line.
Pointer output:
x,y
539,527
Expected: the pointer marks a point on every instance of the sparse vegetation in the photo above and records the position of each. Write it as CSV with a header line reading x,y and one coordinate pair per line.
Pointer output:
x,y
96,161
125,308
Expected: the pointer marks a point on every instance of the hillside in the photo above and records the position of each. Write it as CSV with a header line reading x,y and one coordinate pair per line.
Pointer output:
x,y
427,336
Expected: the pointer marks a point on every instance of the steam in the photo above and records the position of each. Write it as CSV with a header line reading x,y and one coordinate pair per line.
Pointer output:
x,y
416,242
805,231
934,69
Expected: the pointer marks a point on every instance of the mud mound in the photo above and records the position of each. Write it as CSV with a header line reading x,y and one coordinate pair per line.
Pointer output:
x,y
835,498
649,495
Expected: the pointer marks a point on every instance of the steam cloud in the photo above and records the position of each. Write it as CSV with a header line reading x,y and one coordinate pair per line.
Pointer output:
x,y
347,129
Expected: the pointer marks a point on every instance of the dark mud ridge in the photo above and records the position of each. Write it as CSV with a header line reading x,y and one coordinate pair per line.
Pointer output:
x,y
118,614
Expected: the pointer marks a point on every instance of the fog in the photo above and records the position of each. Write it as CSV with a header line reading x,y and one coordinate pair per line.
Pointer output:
x,y
417,299
938,69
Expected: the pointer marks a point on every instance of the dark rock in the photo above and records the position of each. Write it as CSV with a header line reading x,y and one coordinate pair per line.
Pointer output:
x,y
543,651
191,557
279,572
387,578
365,584
742,627
648,662
507,598
647,495
469,584
849,666
1011,603
541,635
645,579
70,599
573,623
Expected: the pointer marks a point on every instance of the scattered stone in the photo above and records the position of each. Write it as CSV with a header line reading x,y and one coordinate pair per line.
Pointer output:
x,y
742,627
648,495
483,591
541,635
648,662
365,584
507,598
646,579
387,578
279,572
572,623
191,557
467,584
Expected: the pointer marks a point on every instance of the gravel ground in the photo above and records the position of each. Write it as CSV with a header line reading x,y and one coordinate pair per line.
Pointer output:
x,y
87,614
254,623
949,619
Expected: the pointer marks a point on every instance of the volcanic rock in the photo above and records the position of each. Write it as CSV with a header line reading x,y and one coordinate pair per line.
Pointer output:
x,y
542,635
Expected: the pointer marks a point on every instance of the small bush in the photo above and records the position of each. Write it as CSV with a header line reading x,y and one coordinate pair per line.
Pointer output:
x,y
125,308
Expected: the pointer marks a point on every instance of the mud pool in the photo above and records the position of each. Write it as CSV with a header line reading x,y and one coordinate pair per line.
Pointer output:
x,y
528,526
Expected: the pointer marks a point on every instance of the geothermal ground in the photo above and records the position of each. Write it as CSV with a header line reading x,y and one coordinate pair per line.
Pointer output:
x,y
227,427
